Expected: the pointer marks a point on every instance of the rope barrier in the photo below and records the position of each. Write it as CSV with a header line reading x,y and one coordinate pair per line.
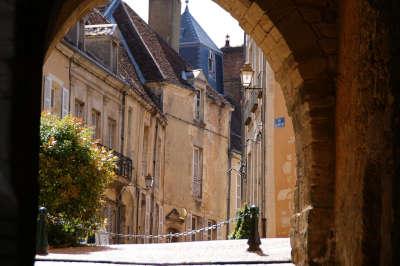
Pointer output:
x,y
172,235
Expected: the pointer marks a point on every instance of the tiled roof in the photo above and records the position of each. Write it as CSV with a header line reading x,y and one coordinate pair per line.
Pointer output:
x,y
126,69
192,32
100,29
157,61
95,17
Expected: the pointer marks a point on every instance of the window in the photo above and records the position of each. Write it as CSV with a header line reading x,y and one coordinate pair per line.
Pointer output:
x,y
79,109
197,172
193,227
52,97
196,224
129,136
65,102
249,177
198,106
157,169
144,152
211,62
96,122
212,234
112,132
238,191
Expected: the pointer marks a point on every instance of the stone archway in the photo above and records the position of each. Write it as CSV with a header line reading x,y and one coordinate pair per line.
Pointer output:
x,y
299,39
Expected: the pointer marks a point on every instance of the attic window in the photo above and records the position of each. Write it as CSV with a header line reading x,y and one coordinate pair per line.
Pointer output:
x,y
211,62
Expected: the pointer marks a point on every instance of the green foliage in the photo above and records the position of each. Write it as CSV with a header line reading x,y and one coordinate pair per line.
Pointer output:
x,y
242,229
74,172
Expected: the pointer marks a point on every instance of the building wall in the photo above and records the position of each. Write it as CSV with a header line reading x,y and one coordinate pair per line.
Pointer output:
x,y
236,182
271,158
84,79
182,134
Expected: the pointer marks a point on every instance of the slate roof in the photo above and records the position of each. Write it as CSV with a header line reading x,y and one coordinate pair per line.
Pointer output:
x,y
157,60
192,32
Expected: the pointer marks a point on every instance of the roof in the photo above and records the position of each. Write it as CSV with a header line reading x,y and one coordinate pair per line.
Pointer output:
x,y
100,30
192,32
95,17
157,60
126,68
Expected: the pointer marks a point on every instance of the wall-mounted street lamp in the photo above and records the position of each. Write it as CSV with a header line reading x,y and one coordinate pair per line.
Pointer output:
x,y
246,76
148,181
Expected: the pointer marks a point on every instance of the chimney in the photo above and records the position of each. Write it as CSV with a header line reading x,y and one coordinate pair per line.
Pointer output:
x,y
165,19
227,40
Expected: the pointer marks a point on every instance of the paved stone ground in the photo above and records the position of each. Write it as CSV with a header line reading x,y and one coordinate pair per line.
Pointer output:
x,y
275,251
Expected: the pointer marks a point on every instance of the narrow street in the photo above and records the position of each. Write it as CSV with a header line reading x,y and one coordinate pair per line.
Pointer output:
x,y
233,252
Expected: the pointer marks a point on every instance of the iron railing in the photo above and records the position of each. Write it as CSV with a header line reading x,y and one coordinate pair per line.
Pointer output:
x,y
124,164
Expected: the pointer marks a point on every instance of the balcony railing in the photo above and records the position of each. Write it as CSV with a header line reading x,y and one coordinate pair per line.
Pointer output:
x,y
124,164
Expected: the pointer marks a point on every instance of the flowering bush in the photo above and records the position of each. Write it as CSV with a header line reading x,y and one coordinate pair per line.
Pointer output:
x,y
73,175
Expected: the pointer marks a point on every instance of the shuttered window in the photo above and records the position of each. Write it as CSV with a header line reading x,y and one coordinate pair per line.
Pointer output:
x,y
79,109
157,170
144,151
238,191
65,102
112,132
197,172
47,93
96,122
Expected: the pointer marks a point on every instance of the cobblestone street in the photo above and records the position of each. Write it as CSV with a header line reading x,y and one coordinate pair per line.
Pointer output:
x,y
274,252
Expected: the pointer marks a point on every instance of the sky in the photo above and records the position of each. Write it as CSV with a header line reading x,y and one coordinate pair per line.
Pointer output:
x,y
214,20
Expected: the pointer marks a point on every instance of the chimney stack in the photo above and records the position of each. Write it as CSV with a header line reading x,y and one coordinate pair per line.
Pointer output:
x,y
227,41
165,19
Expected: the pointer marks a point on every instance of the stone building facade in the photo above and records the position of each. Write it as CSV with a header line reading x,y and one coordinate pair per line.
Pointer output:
x,y
269,147
114,72
89,76
233,61
197,132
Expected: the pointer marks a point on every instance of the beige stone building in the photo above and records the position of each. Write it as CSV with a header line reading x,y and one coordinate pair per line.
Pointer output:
x,y
169,128
89,76
197,134
269,150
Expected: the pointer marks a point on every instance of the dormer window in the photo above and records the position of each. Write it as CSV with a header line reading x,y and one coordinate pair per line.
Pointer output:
x,y
101,43
211,62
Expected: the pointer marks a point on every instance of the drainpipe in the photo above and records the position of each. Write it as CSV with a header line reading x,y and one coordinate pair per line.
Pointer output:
x,y
228,198
123,106
155,149
263,155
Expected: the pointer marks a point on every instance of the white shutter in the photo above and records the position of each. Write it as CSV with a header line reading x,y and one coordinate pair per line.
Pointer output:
x,y
147,219
65,102
189,226
195,172
47,93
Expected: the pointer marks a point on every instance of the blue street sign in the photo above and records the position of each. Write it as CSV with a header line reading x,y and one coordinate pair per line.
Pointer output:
x,y
280,122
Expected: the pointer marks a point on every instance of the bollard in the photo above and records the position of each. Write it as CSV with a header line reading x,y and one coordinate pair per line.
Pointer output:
x,y
42,244
254,241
